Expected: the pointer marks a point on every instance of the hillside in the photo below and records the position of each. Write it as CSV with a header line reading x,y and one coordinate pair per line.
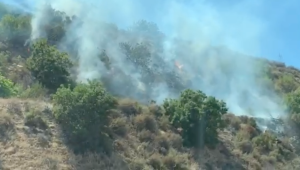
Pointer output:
x,y
127,104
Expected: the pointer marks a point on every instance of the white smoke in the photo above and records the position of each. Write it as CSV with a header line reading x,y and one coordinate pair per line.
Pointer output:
x,y
217,71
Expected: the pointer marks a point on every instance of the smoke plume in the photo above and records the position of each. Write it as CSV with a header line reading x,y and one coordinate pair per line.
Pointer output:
x,y
206,40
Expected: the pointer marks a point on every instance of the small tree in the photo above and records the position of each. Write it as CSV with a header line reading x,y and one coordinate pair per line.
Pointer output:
x,y
82,112
48,65
198,115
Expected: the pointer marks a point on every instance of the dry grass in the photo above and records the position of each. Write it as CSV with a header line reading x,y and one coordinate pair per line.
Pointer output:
x,y
129,107
30,147
141,139
256,149
34,141
40,147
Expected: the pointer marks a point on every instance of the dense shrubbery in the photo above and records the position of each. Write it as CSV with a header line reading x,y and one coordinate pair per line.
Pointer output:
x,y
198,115
83,112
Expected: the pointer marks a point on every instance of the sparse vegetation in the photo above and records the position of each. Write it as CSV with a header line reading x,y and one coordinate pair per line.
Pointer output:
x,y
49,120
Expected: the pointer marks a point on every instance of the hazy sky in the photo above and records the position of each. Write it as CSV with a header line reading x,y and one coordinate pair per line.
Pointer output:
x,y
265,28
281,22
283,36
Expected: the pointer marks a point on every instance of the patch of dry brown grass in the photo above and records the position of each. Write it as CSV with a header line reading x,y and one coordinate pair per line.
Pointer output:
x,y
29,149
6,127
145,122
120,126
149,143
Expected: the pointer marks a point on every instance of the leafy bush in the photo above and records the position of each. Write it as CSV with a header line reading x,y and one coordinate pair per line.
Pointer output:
x,y
49,66
83,111
198,115
6,87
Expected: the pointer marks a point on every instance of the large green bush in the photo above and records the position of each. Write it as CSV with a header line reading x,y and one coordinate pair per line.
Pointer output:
x,y
6,87
198,115
49,66
82,112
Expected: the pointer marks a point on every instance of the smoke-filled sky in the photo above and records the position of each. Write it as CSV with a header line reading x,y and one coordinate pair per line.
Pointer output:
x,y
264,28
253,27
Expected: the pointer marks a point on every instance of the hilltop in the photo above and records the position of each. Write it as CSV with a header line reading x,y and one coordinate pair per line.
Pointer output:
x,y
49,119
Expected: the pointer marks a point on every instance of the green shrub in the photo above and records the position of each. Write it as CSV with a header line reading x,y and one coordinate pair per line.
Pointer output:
x,y
7,88
198,115
49,66
36,91
82,112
